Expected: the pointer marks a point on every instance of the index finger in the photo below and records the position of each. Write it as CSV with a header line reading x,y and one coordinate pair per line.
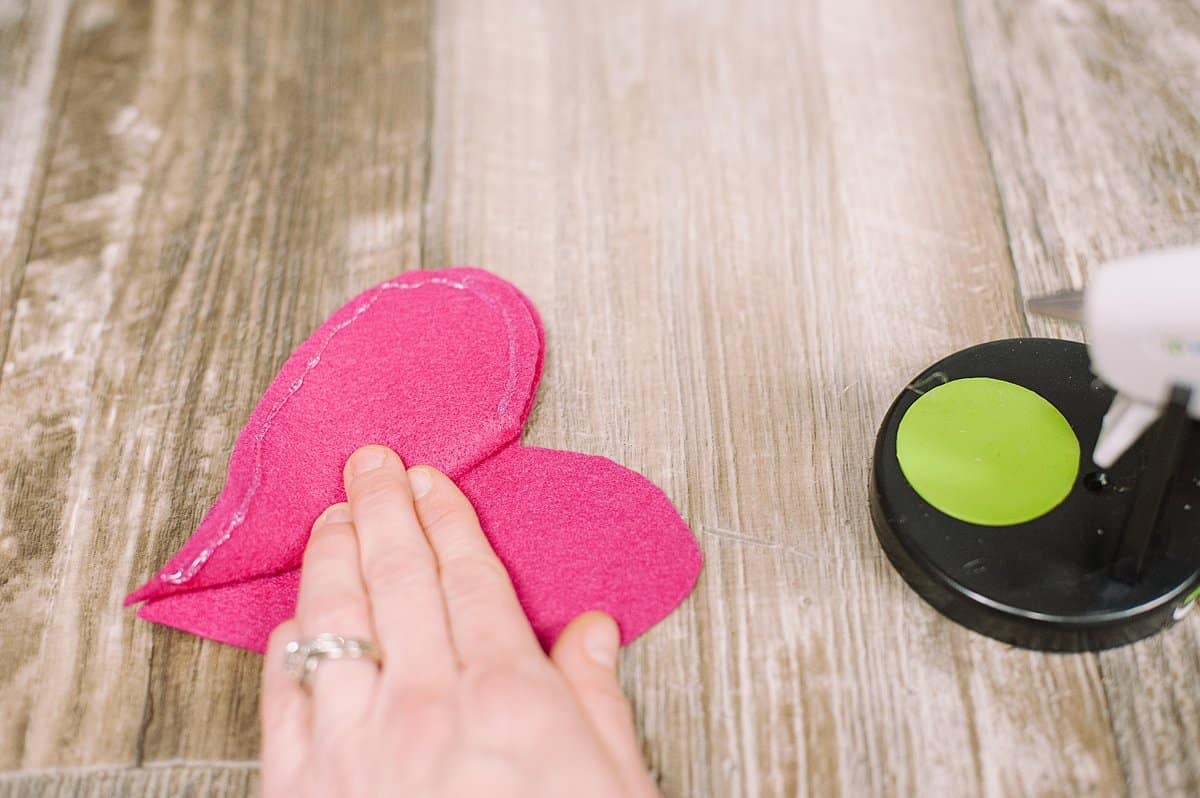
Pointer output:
x,y
486,621
399,570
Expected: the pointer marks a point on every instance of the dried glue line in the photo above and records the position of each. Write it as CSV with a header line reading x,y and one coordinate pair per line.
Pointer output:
x,y
183,575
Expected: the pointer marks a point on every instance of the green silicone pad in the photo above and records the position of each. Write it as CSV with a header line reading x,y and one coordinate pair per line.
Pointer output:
x,y
987,451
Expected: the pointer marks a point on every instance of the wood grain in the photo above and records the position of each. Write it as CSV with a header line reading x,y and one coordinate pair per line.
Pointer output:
x,y
167,779
746,226
30,35
1090,113
221,179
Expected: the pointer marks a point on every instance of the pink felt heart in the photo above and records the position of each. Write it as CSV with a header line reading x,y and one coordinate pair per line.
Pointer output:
x,y
442,367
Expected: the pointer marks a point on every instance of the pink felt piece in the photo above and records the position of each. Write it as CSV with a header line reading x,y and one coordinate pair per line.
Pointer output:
x,y
442,367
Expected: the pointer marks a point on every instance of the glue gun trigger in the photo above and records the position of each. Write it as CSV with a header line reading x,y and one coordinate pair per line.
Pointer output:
x,y
1123,424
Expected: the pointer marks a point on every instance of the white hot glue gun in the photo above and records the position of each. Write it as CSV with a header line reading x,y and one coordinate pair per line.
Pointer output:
x,y
1142,320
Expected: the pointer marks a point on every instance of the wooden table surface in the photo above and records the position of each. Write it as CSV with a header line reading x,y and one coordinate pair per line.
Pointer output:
x,y
746,225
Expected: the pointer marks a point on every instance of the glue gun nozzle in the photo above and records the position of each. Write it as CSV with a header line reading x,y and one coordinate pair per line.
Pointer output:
x,y
1065,305
1123,425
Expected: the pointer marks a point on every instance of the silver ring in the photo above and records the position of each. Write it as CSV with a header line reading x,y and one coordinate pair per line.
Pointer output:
x,y
303,657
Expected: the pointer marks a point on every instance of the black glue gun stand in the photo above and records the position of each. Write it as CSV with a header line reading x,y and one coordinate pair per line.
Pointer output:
x,y
1117,560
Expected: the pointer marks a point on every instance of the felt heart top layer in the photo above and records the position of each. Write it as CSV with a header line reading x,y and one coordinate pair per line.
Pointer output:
x,y
442,367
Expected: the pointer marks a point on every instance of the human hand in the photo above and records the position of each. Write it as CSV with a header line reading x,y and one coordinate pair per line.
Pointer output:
x,y
465,702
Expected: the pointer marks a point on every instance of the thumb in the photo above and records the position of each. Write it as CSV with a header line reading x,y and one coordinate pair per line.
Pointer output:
x,y
586,655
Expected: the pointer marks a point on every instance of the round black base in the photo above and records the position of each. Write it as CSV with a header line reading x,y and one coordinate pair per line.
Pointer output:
x,y
1044,584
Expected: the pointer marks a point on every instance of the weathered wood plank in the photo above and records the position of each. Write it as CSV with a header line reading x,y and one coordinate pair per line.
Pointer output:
x,y
30,37
747,226
223,176
1090,111
153,780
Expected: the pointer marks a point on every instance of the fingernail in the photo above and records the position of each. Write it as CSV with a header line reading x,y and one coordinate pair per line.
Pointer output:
x,y
367,459
601,642
337,514
420,482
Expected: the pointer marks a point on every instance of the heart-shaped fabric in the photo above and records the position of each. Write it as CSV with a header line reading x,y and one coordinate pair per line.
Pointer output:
x,y
442,367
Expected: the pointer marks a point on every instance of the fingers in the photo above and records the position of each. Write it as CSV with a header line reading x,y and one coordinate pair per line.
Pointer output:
x,y
284,713
586,655
486,620
333,599
399,570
